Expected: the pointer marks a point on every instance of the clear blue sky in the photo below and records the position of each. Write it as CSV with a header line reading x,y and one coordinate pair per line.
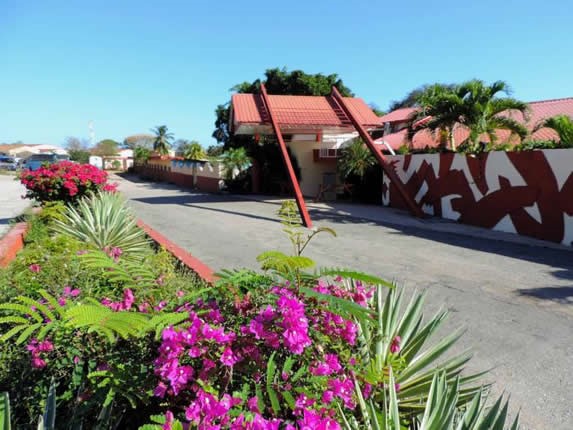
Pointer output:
x,y
132,65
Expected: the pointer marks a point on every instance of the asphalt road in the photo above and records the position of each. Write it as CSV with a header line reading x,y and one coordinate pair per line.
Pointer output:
x,y
11,203
514,299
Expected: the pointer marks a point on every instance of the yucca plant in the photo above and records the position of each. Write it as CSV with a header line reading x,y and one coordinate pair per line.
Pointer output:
x,y
441,412
105,222
394,343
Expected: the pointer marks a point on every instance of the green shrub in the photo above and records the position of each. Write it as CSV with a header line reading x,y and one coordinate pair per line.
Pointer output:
x,y
105,222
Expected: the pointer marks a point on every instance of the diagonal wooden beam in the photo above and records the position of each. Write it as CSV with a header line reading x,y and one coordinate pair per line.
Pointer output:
x,y
307,222
388,169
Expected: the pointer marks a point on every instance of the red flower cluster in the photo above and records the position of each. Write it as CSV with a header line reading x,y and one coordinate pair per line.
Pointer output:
x,y
64,181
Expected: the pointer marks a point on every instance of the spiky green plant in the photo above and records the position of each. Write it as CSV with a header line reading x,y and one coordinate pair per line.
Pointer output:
x,y
395,343
105,222
442,411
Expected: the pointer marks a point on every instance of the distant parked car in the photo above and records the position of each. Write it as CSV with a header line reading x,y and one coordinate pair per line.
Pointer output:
x,y
8,163
34,162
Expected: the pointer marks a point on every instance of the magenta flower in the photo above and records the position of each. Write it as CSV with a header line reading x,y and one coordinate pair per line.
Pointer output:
x,y
69,292
38,363
395,345
35,268
228,358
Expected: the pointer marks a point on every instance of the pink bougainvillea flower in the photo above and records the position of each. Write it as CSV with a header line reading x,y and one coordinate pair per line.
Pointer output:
x,y
69,292
38,363
35,268
395,345
169,418
228,358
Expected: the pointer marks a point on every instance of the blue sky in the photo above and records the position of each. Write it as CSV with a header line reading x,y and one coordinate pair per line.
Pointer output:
x,y
132,65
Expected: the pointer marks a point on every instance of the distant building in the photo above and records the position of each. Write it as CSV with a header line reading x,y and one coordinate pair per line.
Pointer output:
x,y
21,149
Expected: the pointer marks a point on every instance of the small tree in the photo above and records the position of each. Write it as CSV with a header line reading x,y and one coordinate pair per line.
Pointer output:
x,y
235,161
190,150
355,159
106,147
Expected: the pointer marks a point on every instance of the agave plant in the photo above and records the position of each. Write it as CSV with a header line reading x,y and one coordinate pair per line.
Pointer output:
x,y
393,346
441,412
104,222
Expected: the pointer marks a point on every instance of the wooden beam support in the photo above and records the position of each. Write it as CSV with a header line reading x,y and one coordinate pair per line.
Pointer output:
x,y
388,169
306,221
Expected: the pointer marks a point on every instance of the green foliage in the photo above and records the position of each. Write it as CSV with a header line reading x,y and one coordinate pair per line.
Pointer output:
x,y
51,212
141,155
563,126
5,419
106,147
473,105
441,412
532,145
190,150
355,159
81,156
235,163
162,141
292,226
105,222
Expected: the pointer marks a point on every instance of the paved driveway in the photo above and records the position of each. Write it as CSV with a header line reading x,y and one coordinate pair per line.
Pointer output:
x,y
515,299
11,203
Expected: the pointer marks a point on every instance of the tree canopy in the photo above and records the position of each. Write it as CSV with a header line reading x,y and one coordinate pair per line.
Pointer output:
x,y
279,82
474,105
412,99
105,147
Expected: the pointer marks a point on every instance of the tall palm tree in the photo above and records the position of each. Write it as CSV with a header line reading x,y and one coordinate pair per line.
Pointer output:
x,y
355,159
163,139
562,125
482,109
475,105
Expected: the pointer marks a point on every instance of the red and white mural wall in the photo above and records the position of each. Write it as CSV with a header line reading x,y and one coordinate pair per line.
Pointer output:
x,y
528,193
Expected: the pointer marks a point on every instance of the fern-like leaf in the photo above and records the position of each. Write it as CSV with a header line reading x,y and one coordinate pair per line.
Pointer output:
x,y
355,275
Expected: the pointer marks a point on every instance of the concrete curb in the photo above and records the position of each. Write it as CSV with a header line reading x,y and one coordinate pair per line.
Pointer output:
x,y
193,263
12,242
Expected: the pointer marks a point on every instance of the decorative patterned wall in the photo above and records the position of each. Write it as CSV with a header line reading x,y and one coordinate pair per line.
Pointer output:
x,y
528,193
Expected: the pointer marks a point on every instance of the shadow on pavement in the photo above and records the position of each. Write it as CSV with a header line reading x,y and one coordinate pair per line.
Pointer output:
x,y
563,295
560,260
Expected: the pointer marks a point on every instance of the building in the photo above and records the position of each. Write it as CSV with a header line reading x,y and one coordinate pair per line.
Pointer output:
x,y
313,127
395,125
23,150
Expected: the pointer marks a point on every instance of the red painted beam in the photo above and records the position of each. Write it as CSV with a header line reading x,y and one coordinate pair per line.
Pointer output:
x,y
306,221
410,202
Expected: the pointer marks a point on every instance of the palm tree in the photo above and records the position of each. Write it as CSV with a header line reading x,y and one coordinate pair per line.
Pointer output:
x,y
235,161
562,125
439,113
163,139
355,159
482,109
194,151
474,105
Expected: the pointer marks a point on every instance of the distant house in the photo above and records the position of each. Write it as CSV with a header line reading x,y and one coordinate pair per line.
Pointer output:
x,y
19,150
395,125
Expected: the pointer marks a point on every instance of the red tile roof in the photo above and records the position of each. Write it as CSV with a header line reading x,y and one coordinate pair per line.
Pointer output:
x,y
398,115
300,111
539,110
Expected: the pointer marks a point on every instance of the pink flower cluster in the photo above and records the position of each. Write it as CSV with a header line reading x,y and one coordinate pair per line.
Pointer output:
x,y
124,305
37,349
64,181
217,349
